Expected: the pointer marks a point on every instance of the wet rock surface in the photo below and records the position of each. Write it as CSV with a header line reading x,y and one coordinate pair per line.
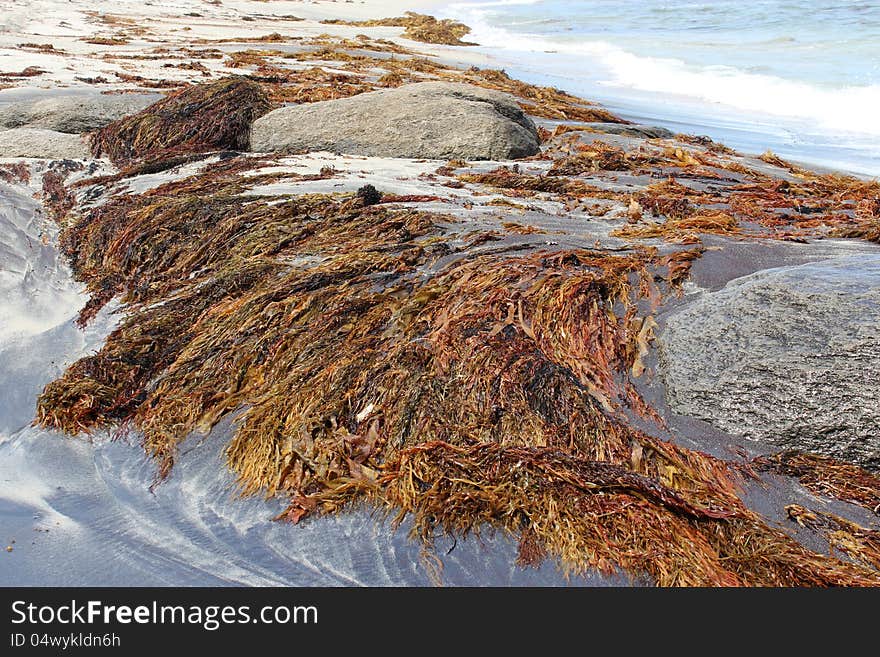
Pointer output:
x,y
786,356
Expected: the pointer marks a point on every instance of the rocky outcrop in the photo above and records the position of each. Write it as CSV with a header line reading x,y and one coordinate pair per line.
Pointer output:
x,y
434,120
788,356
46,144
72,114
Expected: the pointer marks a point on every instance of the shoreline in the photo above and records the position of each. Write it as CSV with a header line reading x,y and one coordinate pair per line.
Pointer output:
x,y
795,139
749,132
577,199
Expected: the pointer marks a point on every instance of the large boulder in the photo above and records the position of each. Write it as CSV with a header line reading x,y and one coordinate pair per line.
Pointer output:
x,y
72,114
788,356
432,120
47,144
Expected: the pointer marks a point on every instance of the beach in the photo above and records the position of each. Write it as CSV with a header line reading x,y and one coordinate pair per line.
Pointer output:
x,y
510,337
797,78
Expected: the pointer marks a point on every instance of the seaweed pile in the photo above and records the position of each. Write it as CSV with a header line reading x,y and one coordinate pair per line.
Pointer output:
x,y
419,27
851,539
374,355
196,119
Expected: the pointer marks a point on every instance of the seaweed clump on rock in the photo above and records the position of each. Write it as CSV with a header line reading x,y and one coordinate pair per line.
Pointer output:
x,y
196,119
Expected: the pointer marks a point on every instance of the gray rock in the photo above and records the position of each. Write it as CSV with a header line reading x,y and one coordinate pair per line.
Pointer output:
x,y
47,144
431,120
787,356
72,114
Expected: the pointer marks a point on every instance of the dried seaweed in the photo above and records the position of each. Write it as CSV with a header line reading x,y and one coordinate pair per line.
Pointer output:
x,y
107,41
18,172
505,178
679,264
376,352
683,229
826,476
857,542
196,119
28,72
492,390
869,230
545,102
419,27
598,156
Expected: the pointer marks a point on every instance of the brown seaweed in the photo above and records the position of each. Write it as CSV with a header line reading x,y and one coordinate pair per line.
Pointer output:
x,y
490,391
857,542
419,27
197,119
826,476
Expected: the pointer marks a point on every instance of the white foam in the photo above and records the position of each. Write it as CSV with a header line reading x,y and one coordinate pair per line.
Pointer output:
x,y
846,111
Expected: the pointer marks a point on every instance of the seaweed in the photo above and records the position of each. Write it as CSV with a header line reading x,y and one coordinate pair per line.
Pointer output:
x,y
57,198
598,156
28,72
683,229
679,265
419,27
868,227
823,475
107,41
197,119
601,156
369,356
506,179
19,172
857,542
868,230
545,102
374,352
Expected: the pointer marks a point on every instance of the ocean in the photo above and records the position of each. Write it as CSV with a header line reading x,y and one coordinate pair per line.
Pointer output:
x,y
801,77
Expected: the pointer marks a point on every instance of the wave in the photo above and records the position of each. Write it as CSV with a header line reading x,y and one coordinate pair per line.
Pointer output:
x,y
843,111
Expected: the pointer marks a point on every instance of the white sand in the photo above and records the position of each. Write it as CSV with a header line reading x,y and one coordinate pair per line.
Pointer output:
x,y
65,25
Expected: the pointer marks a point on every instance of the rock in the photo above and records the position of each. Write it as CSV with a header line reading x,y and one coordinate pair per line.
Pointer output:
x,y
47,144
787,356
632,130
72,114
430,120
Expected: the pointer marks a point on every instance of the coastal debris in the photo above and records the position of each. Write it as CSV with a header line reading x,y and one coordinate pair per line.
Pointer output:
x,y
419,27
826,476
489,389
857,542
519,184
683,230
197,119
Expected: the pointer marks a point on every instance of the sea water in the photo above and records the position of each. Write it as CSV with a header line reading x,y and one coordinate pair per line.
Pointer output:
x,y
800,77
